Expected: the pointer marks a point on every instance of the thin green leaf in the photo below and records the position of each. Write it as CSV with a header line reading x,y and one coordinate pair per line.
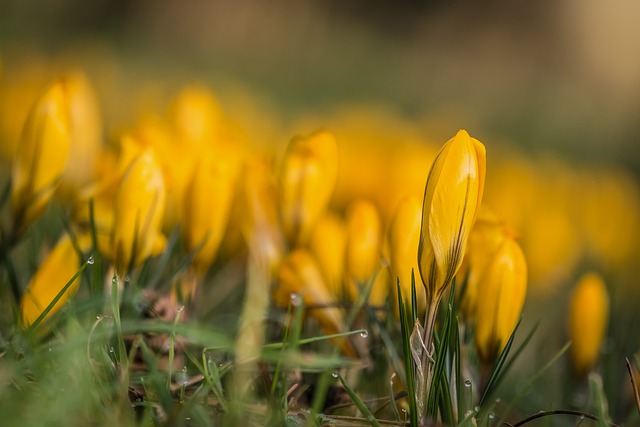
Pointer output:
x,y
359,403
408,360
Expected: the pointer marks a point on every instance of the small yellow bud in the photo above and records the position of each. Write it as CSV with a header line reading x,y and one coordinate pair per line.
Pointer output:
x,y
42,155
206,210
138,212
307,180
452,197
588,316
404,238
328,243
194,115
364,230
501,294
54,273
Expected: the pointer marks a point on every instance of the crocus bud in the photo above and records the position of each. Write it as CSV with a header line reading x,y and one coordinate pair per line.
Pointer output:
x,y
54,273
404,237
42,155
452,197
206,210
364,230
300,280
85,133
307,180
194,115
138,211
259,213
486,237
501,294
588,316
328,243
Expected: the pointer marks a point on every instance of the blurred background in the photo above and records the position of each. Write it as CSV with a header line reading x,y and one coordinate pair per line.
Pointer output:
x,y
562,76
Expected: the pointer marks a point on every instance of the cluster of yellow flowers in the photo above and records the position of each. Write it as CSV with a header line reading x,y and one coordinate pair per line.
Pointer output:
x,y
332,218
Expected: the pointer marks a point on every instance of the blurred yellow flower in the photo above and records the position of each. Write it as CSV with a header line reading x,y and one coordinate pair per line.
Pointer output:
x,y
54,273
207,203
138,212
404,238
588,317
501,294
258,211
364,239
328,244
86,135
42,154
487,236
452,197
307,180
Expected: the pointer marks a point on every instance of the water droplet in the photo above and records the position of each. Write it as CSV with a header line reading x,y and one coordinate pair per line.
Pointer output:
x,y
335,374
364,334
404,411
467,384
476,409
491,415
498,400
295,299
90,260
111,350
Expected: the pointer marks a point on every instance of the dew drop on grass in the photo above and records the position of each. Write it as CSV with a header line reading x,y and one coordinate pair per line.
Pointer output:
x,y
90,260
364,334
492,415
295,299
111,350
467,384
335,374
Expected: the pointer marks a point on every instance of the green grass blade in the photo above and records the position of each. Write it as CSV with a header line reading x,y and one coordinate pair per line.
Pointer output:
x,y
414,298
497,368
408,360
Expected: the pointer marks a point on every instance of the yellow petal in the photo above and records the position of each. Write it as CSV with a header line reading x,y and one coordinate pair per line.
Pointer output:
x,y
307,181
139,208
588,316
328,244
404,238
207,203
364,231
452,197
54,273
42,154
501,295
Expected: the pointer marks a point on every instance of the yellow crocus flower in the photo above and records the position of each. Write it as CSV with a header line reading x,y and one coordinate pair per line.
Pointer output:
x,y
206,210
588,316
257,202
41,156
138,212
54,273
501,294
328,243
486,237
404,238
85,132
307,181
364,231
452,197
300,280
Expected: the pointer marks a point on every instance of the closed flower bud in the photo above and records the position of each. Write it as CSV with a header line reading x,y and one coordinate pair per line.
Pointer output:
x,y
307,181
364,231
85,133
452,197
486,237
300,280
404,237
41,156
501,295
138,212
54,273
588,316
328,243
206,210
259,213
